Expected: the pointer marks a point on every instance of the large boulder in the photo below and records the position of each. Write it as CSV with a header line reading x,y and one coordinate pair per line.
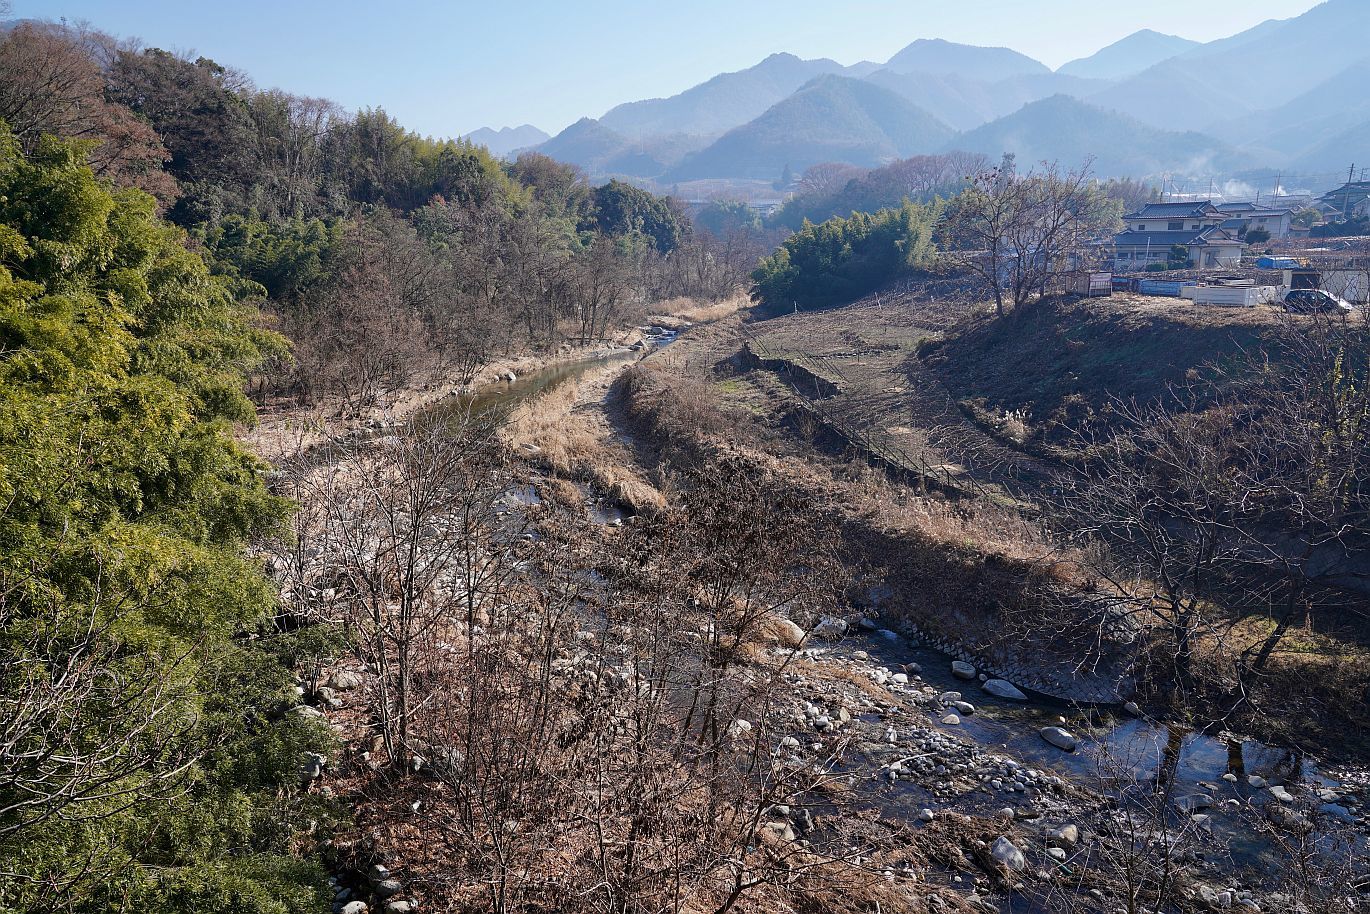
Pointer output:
x,y
789,633
1007,853
962,670
1060,738
1002,688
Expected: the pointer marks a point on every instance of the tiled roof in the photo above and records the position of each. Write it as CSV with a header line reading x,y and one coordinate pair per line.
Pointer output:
x,y
1187,208
1211,235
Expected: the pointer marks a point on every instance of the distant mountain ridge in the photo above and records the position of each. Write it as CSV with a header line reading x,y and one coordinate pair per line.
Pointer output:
x,y
722,103
1146,104
1128,56
933,55
1228,78
831,118
505,140
1066,131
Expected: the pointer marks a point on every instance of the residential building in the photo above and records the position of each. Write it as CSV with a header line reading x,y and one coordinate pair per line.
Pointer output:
x,y
1243,217
1343,202
1197,226
1190,215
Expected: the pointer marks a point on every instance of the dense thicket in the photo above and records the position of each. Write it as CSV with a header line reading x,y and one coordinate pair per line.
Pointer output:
x,y
147,757
842,259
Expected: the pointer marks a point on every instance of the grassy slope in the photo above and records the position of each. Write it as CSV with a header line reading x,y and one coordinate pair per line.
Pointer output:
x,y
1065,360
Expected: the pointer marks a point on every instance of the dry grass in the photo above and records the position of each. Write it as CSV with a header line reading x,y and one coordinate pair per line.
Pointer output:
x,y
566,438
697,312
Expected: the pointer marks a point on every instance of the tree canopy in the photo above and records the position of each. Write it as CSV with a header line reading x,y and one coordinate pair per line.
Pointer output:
x,y
842,259
147,762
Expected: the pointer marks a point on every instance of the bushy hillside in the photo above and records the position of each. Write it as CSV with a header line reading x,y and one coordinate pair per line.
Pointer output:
x,y
1066,131
832,118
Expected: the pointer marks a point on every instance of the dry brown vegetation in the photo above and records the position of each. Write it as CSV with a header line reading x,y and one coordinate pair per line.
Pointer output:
x,y
697,312
571,443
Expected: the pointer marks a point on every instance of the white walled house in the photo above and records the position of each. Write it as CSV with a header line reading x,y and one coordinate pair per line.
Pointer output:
x,y
1278,221
1152,231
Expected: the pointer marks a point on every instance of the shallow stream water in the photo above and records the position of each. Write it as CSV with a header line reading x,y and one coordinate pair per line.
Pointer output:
x,y
1115,745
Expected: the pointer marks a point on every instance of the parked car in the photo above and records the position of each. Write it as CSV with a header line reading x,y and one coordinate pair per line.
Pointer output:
x,y
1314,301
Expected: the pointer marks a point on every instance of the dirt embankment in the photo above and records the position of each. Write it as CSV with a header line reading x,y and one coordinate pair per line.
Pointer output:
x,y
972,578
1058,364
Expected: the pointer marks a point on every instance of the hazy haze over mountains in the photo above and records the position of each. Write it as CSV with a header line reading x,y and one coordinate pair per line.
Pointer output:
x,y
1284,94
1130,55
830,119
507,139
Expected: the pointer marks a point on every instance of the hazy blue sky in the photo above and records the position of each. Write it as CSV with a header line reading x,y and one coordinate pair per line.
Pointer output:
x,y
445,68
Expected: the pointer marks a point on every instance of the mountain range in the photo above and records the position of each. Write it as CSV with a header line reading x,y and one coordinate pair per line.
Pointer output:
x,y
507,139
1285,95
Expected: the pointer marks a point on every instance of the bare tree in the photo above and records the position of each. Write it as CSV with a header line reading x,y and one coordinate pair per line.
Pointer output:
x,y
1014,232
1240,497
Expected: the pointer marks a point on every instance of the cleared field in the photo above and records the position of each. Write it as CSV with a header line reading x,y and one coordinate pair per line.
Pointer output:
x,y
857,369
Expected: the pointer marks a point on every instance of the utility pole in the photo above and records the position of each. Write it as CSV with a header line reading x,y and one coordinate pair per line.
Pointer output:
x,y
1346,204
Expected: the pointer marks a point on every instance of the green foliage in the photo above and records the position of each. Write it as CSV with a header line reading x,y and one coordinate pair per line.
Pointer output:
x,y
152,737
622,209
1256,236
284,258
843,259
722,218
832,189
1307,217
1177,258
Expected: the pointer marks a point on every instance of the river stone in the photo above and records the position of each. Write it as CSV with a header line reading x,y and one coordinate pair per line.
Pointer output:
x,y
951,720
1008,854
1067,835
387,887
1279,793
345,680
1056,853
1002,688
788,633
1059,737
399,906
354,907
1256,781
830,628
1132,708
1194,803
964,707
962,670
925,815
